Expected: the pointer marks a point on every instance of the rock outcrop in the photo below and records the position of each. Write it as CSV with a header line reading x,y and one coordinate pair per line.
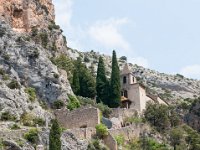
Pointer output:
x,y
23,15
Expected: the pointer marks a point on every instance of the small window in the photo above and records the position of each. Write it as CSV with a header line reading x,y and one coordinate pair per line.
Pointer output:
x,y
122,93
125,94
124,79
133,79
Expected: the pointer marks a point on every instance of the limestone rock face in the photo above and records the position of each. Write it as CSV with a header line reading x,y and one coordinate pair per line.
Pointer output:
x,y
28,63
22,15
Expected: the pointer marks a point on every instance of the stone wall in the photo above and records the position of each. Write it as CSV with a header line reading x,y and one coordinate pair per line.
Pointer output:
x,y
129,132
110,142
79,118
122,113
83,133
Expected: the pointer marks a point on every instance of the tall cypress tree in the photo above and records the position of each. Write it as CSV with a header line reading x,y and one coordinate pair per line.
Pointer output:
x,y
54,136
115,89
75,82
101,83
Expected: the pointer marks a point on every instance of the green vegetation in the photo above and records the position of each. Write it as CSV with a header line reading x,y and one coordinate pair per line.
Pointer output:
x,y
7,116
106,111
73,102
86,80
115,89
44,38
2,146
120,139
28,119
32,136
54,136
102,84
124,58
14,85
76,82
161,116
2,32
133,119
96,145
58,104
15,127
52,26
101,130
6,57
31,93
63,62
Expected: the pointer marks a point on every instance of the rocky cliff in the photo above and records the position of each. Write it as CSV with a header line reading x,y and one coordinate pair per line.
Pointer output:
x,y
27,36
23,15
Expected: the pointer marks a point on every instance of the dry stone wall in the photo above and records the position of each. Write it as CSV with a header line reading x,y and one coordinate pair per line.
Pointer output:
x,y
79,118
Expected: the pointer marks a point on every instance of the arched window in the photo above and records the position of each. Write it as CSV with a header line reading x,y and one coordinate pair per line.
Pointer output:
x,y
124,79
122,93
126,94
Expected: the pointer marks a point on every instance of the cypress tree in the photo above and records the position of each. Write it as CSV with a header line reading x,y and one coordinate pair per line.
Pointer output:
x,y
54,136
76,83
101,83
115,88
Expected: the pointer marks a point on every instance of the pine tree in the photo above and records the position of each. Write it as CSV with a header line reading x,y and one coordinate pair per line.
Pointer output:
x,y
101,83
54,136
115,88
76,83
86,86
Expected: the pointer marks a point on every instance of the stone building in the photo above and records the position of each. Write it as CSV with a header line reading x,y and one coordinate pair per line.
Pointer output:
x,y
133,94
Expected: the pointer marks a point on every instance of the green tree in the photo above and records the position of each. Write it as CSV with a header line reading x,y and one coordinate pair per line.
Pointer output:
x,y
101,83
86,80
76,83
115,88
54,136
176,137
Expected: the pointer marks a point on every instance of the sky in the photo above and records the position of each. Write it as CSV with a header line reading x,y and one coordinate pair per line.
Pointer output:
x,y
163,35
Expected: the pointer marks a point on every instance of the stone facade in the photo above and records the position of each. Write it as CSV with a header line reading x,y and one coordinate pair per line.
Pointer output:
x,y
22,15
133,92
80,118
110,142
84,133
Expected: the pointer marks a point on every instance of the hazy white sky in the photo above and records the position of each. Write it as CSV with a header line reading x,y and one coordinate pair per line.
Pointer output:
x,y
163,35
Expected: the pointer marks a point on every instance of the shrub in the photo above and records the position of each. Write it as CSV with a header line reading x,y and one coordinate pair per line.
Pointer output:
x,y
101,130
58,104
15,127
39,121
96,145
56,75
2,32
52,26
27,119
44,39
134,120
5,116
14,85
32,136
120,139
6,57
32,94
5,77
124,58
106,111
86,59
34,31
2,72
73,102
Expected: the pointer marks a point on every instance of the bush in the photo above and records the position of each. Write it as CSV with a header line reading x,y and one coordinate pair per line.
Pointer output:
x,y
44,39
27,119
106,111
6,57
96,145
124,58
15,127
120,139
14,85
32,136
73,103
39,121
101,130
34,31
2,72
7,116
58,104
2,32
32,94
134,120
52,26
86,59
